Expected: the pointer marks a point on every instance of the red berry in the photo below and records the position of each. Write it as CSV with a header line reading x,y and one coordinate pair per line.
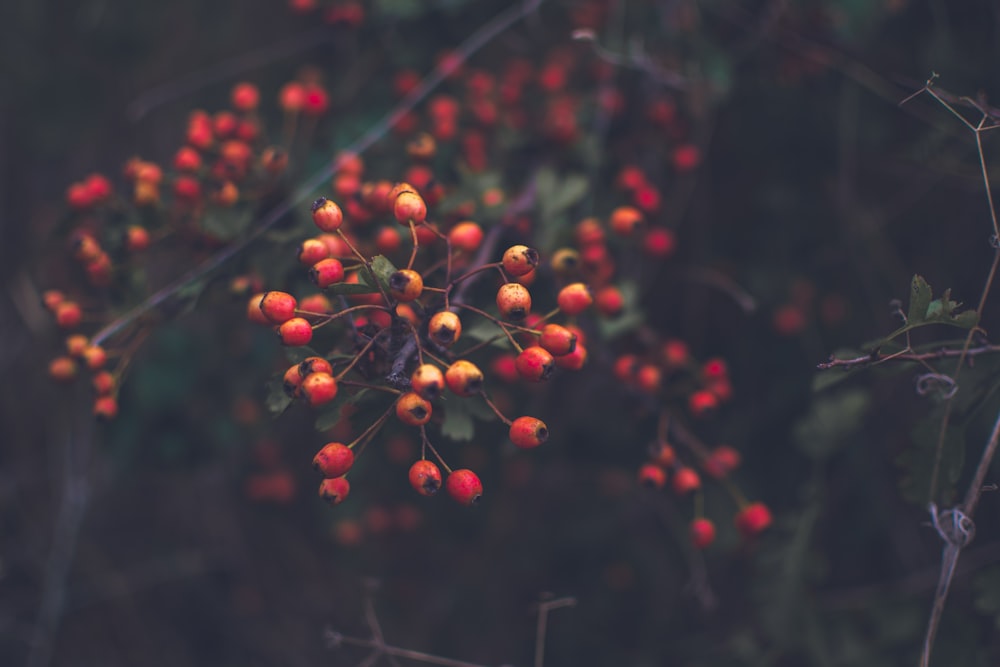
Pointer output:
x,y
312,251
513,301
334,460
326,272
753,519
528,432
519,260
557,339
466,236
106,408
254,313
574,298
327,215
245,97
464,378
334,490
702,402
652,475
702,532
425,478
535,364
625,220
721,461
311,365
278,307
408,207
609,301
686,480
296,331
464,486
573,361
659,243
663,454
62,369
68,314
318,388
95,357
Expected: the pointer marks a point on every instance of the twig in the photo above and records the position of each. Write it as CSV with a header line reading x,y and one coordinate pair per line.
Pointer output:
x,y
874,359
541,628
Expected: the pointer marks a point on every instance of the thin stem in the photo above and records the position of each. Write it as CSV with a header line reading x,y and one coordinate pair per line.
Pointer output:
x,y
495,409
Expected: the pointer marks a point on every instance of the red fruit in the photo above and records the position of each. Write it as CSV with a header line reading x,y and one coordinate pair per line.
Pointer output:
x,y
663,454
78,197
334,460
316,303
187,159
505,367
318,388
292,97
254,313
609,301
702,532
52,298
291,381
95,357
466,236
686,157
326,272
625,220
334,490
686,480
753,520
528,432
311,365
278,307
652,475
428,381
464,486
312,251
557,339
106,408
245,97
675,354
647,378
573,361
103,383
409,207
659,243
513,301
136,238
702,402
425,478
327,215
296,331
574,298
62,369
519,260
413,409
464,378
68,314
534,364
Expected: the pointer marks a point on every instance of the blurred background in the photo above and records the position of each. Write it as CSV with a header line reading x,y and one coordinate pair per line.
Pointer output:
x,y
188,531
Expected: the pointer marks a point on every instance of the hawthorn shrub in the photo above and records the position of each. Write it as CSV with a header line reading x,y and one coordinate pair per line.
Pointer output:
x,y
571,263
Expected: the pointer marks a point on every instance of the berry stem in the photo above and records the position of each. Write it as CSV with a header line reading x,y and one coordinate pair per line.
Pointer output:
x,y
495,409
497,322
427,444
357,357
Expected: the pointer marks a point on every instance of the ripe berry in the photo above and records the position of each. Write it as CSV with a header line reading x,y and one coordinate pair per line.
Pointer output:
x,y
413,409
662,454
534,364
625,220
318,388
528,432
444,328
103,383
311,365
675,353
609,301
327,215
408,207
466,236
95,357
464,378
574,298
702,532
291,381
464,486
334,490
245,97
647,378
334,460
62,369
52,298
68,314
702,402
573,361
326,272
106,408
278,307
686,480
557,339
753,519
254,313
659,243
312,251
721,461
652,475
77,344
428,381
425,478
296,331
406,285
519,260
514,301
136,238
588,231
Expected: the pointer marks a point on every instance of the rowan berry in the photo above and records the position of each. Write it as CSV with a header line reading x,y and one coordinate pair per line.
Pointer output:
x,y
85,247
187,189
686,157
409,207
721,461
78,197
464,486
702,532
504,367
528,432
62,369
316,101
296,331
254,313
535,364
659,243
95,357
278,307
106,408
589,231
574,298
333,460
647,378
292,97
466,236
103,383
428,381
519,260
99,270
406,285
702,402
388,240
609,301
625,220
663,454
291,381
652,475
99,188
334,490
625,368
413,409
557,339
68,314
573,361
52,298
327,215
77,344
318,388
686,480
187,159
316,303
444,328
753,519
326,272
425,477
245,96
464,378
675,353
513,301
136,238
312,251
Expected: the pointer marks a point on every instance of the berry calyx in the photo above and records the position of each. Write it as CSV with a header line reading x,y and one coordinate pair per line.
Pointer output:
x,y
464,486
425,478
513,301
406,285
464,378
334,490
334,460
528,432
519,260
314,365
444,328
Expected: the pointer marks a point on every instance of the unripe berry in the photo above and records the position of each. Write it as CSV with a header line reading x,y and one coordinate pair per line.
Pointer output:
x,y
528,432
428,381
413,409
557,339
519,260
296,331
625,220
573,361
334,460
106,408
409,206
652,475
534,364
62,369
466,236
753,519
326,272
425,478
278,307
686,480
444,328
318,388
334,490
312,251
513,301
327,215
464,486
406,285
464,378
702,532
574,298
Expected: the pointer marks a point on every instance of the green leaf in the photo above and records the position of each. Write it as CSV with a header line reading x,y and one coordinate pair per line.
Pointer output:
x,y
831,419
920,299
347,289
277,400
227,224
333,411
917,460
571,190
483,330
383,269
458,421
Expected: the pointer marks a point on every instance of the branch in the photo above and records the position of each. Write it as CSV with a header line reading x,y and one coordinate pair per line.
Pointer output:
x,y
874,358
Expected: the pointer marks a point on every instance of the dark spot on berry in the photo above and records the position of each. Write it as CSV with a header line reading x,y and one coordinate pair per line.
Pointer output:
x,y
517,314
318,204
418,411
430,486
541,434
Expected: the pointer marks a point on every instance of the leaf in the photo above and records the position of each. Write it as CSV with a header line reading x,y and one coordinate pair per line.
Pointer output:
x,y
277,400
917,460
920,299
987,591
347,289
333,411
831,419
227,224
458,421
572,189
483,330
383,269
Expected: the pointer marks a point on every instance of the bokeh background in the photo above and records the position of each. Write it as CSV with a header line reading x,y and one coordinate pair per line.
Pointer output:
x,y
143,543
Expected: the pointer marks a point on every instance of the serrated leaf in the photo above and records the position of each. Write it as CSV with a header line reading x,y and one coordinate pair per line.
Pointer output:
x,y
920,300
277,400
831,419
483,330
383,269
459,415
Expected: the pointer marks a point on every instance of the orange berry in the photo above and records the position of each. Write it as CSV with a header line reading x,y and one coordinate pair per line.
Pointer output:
x,y
428,381
625,220
464,378
278,307
62,369
318,388
574,298
327,215
519,260
528,432
513,301
333,460
295,332
413,409
425,478
444,328
406,285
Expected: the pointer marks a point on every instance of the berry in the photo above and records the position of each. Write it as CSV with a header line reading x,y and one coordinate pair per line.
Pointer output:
x,y
254,313
652,475
564,261
514,301
466,236
314,365
557,340
77,344
136,238
296,331
106,408
68,314
609,301
702,402
406,285
409,207
753,519
312,251
686,480
528,432
647,378
534,364
464,378
428,381
95,357
464,486
444,328
62,369
662,454
573,361
519,260
625,220
326,272
413,409
318,388
659,243
245,97
52,298
574,298
327,215
721,461
334,460
334,490
425,478
291,382
103,383
278,307
702,532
